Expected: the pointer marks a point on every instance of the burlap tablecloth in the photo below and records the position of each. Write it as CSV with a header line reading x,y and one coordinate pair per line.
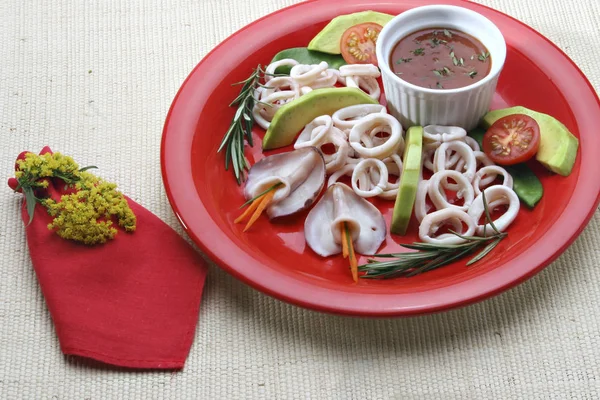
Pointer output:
x,y
95,78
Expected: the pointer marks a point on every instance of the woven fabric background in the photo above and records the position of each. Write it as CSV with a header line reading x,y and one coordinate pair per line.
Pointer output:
x,y
95,78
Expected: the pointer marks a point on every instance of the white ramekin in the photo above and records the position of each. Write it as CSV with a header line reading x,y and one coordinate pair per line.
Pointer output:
x,y
415,105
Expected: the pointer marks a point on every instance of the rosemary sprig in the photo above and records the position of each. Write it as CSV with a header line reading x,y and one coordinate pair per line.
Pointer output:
x,y
240,129
429,256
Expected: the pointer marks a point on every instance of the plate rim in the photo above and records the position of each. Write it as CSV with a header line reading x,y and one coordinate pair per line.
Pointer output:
x,y
343,307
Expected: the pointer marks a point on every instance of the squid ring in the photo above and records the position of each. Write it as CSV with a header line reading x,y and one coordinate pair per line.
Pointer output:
x,y
394,167
328,79
352,81
315,132
260,120
370,86
305,74
472,143
481,158
363,168
391,145
460,148
335,161
421,208
271,103
360,70
367,84
347,117
429,150
438,197
340,79
432,222
277,84
270,70
439,133
491,171
497,194
347,169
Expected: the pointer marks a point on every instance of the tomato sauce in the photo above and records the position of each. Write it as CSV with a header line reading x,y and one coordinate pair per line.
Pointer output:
x,y
439,58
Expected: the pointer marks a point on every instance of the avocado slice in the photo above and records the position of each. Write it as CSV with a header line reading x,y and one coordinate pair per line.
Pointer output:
x,y
291,118
558,146
306,56
328,40
409,180
525,184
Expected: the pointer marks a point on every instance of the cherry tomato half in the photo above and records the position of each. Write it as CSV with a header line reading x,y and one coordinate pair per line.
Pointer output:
x,y
512,139
358,43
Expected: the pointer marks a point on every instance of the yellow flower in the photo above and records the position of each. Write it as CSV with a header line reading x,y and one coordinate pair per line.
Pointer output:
x,y
85,216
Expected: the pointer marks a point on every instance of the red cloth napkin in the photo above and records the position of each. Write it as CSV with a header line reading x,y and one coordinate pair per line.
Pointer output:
x,y
131,302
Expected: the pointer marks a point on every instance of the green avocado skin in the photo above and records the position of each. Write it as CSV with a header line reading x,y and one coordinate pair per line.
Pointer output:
x,y
306,56
525,184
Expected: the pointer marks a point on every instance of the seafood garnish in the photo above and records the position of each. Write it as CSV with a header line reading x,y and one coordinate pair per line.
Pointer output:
x,y
283,184
343,222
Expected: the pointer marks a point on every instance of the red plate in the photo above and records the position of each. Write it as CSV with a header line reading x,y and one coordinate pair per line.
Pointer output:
x,y
273,258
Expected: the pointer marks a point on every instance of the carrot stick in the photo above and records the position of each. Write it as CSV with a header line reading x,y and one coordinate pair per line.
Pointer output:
x,y
344,241
352,256
249,210
266,199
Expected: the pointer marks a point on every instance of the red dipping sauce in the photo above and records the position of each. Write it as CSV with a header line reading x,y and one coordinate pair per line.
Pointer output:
x,y
440,58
